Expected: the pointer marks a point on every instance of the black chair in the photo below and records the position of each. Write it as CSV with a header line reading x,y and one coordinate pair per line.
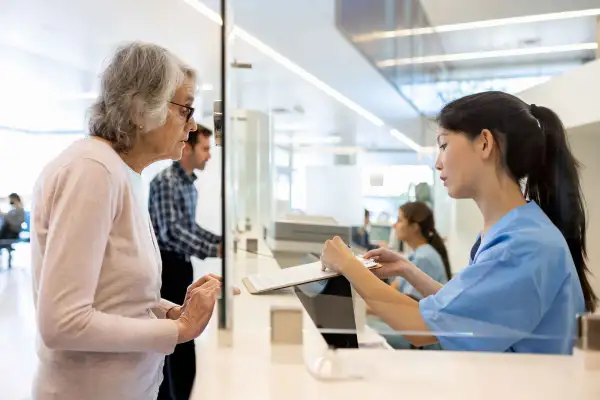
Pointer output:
x,y
7,244
24,237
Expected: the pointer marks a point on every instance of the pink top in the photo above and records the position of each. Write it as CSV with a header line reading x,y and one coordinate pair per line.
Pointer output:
x,y
97,278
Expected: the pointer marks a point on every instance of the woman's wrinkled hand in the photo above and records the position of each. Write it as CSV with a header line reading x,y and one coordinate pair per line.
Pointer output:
x,y
336,254
201,281
175,312
198,309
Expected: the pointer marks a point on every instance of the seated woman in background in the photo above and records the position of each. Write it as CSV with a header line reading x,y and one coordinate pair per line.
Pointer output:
x,y
416,228
13,219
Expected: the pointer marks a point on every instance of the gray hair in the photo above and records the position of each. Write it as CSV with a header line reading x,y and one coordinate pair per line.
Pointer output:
x,y
136,87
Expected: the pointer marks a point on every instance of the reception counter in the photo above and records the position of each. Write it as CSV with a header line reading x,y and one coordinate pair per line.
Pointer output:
x,y
252,368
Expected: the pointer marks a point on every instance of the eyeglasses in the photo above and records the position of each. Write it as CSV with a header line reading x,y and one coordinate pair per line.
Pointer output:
x,y
189,110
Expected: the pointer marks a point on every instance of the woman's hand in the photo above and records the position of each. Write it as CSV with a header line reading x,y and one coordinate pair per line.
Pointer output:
x,y
335,255
175,312
198,309
198,284
393,263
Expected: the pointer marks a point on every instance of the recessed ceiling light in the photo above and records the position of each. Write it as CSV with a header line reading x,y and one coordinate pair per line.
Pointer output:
x,y
486,54
490,23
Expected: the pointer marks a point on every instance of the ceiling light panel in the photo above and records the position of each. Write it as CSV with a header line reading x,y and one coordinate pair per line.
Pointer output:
x,y
526,19
486,55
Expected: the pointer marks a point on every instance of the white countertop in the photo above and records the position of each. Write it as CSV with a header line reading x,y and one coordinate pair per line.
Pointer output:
x,y
248,370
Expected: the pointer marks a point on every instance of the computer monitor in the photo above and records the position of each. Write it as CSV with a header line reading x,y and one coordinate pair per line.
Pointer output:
x,y
330,306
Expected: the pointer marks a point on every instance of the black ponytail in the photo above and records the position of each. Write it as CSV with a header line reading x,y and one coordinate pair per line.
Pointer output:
x,y
534,150
555,187
436,241
419,213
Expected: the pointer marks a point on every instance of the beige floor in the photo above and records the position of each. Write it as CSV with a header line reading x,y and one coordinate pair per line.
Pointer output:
x,y
17,328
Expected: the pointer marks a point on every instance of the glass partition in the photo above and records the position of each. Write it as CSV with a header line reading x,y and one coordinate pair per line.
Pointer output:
x,y
304,152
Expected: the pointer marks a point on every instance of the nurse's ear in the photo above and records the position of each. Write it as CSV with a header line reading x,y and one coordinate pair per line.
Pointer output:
x,y
485,143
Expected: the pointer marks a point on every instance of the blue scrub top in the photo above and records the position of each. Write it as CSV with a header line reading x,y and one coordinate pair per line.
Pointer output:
x,y
520,292
428,260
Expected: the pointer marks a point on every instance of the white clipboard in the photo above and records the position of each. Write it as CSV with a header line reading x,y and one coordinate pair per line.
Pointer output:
x,y
294,276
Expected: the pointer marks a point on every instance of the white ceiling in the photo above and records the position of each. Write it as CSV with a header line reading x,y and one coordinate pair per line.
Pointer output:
x,y
52,51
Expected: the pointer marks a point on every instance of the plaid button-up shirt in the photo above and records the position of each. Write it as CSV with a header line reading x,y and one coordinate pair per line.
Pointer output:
x,y
172,205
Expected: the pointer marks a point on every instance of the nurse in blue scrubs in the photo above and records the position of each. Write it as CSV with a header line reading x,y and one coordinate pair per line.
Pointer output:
x,y
416,229
527,276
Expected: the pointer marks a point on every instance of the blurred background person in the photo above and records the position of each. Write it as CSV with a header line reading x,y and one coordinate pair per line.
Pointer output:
x,y
416,228
172,205
360,236
103,326
12,221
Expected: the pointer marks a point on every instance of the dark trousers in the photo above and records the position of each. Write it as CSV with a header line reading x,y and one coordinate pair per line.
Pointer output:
x,y
7,233
180,367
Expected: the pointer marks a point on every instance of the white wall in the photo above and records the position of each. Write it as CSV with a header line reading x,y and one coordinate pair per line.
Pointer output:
x,y
335,191
585,143
573,96
25,155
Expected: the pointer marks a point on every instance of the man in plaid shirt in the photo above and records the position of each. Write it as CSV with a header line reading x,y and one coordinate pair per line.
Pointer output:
x,y
172,205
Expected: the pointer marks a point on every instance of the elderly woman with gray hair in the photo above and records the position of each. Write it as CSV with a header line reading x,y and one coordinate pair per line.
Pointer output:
x,y
104,328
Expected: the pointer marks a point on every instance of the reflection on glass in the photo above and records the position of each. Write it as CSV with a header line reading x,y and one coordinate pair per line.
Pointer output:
x,y
432,62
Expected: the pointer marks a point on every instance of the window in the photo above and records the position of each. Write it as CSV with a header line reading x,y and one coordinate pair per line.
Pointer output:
x,y
23,156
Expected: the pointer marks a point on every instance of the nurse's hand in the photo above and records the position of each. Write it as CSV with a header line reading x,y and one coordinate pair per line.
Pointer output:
x,y
393,263
336,254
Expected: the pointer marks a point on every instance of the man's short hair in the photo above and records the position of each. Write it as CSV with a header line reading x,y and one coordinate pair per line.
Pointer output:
x,y
193,137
